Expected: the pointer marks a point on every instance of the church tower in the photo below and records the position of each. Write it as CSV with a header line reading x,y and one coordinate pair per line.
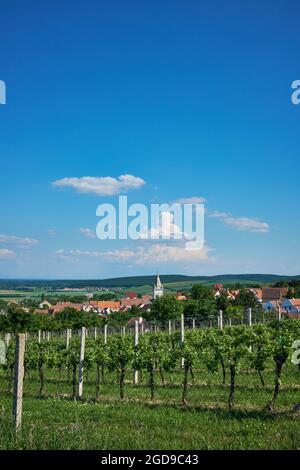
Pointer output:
x,y
158,290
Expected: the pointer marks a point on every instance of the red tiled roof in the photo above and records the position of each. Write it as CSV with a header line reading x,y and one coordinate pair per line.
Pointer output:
x,y
145,299
62,305
273,293
257,292
130,295
111,304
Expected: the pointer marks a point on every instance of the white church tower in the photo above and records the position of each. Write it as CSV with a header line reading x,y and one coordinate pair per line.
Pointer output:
x,y
158,290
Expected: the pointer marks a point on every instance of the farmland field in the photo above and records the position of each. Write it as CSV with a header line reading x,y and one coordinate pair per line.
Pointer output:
x,y
54,421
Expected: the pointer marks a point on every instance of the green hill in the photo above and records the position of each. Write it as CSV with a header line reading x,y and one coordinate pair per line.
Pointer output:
x,y
171,281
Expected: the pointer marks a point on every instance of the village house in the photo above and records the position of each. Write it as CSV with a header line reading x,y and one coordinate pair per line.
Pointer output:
x,y
270,294
258,294
130,295
291,307
144,300
45,304
59,307
270,306
180,296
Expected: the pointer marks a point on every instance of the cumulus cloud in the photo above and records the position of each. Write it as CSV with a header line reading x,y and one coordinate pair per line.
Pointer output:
x,y
13,239
218,215
161,253
102,186
191,200
5,253
59,252
245,223
87,232
110,254
242,223
141,255
167,228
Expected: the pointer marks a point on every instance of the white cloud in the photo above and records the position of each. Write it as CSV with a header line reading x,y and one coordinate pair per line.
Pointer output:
x,y
87,232
141,255
77,255
245,223
191,200
218,214
111,254
161,253
102,186
167,228
13,239
242,223
4,253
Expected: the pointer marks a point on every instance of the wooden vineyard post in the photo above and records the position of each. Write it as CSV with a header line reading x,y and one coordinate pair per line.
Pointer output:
x,y
278,312
141,325
18,380
250,321
68,333
7,339
250,316
221,319
39,336
105,334
123,330
95,333
170,327
136,342
229,322
194,324
81,361
182,335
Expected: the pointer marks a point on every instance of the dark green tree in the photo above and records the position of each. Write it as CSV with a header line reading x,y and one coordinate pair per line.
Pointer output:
x,y
165,308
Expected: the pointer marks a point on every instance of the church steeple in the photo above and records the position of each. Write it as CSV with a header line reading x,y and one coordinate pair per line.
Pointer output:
x,y
158,290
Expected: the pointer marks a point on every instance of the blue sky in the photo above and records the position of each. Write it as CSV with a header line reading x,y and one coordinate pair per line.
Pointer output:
x,y
192,97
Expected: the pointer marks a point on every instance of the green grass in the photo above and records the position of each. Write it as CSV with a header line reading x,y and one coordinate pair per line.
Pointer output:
x,y
54,421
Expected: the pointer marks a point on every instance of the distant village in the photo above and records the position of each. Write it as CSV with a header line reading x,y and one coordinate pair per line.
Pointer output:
x,y
271,299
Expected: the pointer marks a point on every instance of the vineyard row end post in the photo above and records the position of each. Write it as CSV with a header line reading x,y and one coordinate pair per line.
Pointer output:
x,y
105,334
250,316
182,335
81,361
18,380
136,342
221,319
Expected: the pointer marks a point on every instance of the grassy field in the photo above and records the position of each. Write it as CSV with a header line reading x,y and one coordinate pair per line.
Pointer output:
x,y
169,287
36,294
54,421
